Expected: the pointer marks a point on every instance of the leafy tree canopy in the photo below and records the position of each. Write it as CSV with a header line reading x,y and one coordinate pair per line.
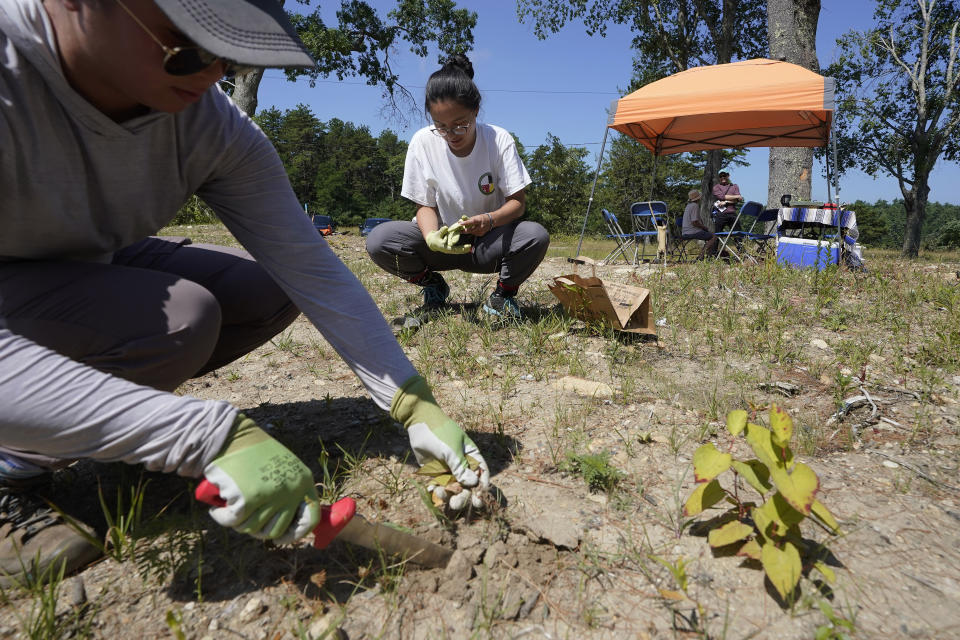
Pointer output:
x,y
895,95
338,168
561,185
671,35
899,99
362,43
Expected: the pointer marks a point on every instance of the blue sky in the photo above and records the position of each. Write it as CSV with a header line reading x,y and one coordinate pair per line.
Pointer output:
x,y
563,86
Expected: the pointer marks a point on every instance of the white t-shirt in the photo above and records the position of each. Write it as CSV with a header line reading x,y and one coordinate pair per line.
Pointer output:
x,y
434,177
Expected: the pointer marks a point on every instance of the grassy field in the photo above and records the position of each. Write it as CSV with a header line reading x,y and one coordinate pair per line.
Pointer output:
x,y
591,435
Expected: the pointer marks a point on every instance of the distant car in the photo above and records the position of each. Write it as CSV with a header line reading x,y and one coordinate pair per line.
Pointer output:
x,y
323,224
370,223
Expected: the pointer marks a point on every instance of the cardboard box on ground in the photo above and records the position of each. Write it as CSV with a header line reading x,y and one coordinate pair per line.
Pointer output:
x,y
623,307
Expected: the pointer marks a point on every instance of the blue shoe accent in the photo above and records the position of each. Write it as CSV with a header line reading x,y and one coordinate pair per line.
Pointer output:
x,y
503,307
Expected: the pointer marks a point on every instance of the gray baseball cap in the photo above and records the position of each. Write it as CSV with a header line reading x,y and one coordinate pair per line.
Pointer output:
x,y
249,32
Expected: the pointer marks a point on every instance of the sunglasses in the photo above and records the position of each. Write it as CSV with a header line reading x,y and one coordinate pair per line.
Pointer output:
x,y
185,61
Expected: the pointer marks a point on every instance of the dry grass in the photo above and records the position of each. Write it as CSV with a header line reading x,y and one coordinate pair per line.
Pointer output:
x,y
730,336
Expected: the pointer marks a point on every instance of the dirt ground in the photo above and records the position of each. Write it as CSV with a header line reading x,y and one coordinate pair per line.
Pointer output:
x,y
550,558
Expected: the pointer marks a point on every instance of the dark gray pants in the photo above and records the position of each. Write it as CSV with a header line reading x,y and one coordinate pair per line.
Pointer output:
x,y
162,312
513,251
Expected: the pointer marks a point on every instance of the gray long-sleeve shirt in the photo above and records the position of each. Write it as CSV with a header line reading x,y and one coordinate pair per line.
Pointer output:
x,y
76,185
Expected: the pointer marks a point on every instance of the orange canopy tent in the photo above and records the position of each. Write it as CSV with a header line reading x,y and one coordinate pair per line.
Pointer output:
x,y
754,103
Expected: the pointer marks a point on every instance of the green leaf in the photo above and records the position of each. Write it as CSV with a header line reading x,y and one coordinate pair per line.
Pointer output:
x,y
761,441
708,463
781,426
736,421
798,486
755,473
750,549
765,517
827,572
441,473
782,567
785,513
729,533
442,480
434,468
825,516
703,497
779,513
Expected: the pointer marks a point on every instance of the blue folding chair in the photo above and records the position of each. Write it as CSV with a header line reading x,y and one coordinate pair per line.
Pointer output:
x,y
676,245
758,232
750,209
626,241
649,221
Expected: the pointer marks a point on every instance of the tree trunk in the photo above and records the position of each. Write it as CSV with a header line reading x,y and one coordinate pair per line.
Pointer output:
x,y
790,169
915,202
714,159
245,91
246,87
792,32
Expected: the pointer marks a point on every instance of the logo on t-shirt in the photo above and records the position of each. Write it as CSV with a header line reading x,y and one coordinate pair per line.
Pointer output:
x,y
485,183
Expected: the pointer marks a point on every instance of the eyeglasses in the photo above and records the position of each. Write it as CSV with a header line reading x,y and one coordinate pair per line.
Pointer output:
x,y
459,130
185,61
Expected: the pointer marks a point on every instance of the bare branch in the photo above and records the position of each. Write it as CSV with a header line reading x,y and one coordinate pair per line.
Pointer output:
x,y
701,9
890,46
666,41
922,60
951,80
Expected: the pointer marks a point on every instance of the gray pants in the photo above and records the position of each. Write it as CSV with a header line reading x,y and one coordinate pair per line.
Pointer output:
x,y
513,251
162,312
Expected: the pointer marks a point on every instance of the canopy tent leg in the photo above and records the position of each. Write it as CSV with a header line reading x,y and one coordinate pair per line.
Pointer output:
x,y
653,175
826,159
596,175
653,185
836,172
841,242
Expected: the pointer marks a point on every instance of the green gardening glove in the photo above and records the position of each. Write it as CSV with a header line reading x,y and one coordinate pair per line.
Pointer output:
x,y
453,235
444,240
269,492
434,436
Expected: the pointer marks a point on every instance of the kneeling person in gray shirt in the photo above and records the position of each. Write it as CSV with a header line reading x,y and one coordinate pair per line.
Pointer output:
x,y
111,117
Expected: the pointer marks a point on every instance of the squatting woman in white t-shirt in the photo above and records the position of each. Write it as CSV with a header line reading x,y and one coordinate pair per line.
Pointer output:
x,y
468,182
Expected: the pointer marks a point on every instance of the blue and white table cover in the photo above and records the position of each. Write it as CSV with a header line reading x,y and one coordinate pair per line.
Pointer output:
x,y
843,218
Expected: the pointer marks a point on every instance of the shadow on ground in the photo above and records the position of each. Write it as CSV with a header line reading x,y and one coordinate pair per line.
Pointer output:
x,y
176,542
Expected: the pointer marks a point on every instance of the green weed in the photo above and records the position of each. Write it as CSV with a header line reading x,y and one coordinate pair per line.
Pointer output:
x,y
837,627
123,521
596,469
287,344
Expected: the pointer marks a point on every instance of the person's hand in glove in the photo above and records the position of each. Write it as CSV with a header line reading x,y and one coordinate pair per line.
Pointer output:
x,y
269,492
434,436
444,239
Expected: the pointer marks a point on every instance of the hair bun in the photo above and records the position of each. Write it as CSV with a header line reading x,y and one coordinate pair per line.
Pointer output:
x,y
461,62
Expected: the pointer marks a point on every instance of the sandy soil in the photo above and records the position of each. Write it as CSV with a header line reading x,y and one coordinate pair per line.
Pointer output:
x,y
550,559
